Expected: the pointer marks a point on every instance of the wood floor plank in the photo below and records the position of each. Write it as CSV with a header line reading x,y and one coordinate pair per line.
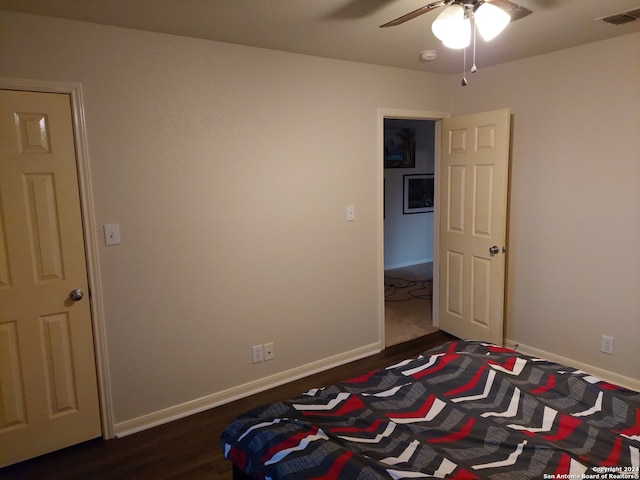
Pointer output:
x,y
189,449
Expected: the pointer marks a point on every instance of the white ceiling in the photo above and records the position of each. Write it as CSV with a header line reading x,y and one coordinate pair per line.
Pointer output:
x,y
347,29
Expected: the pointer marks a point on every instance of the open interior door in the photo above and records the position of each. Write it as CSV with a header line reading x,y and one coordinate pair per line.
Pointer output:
x,y
473,224
48,386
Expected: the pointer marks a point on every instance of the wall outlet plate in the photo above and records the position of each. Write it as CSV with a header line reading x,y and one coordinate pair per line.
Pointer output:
x,y
111,234
257,354
606,345
269,351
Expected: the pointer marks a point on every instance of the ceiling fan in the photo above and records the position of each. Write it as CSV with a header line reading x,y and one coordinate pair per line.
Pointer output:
x,y
515,11
459,18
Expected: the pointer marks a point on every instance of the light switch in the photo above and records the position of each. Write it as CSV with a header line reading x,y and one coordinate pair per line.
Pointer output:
x,y
351,213
111,234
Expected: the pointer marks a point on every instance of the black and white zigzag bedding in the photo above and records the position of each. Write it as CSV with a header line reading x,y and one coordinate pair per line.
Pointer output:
x,y
464,410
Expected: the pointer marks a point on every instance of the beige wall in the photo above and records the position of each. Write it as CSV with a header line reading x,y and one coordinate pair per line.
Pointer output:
x,y
574,249
229,170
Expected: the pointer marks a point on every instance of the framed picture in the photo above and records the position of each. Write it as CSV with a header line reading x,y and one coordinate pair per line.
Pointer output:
x,y
418,193
399,147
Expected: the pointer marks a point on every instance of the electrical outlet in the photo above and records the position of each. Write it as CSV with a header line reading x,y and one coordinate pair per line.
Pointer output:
x,y
269,351
607,345
257,353
111,234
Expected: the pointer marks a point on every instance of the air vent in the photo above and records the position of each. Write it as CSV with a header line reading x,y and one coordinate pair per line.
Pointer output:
x,y
620,18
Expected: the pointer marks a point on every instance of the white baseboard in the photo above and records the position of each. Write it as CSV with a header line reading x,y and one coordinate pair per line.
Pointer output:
x,y
192,407
605,375
408,264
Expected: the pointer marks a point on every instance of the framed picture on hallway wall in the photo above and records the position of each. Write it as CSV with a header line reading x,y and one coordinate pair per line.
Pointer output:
x,y
399,147
418,193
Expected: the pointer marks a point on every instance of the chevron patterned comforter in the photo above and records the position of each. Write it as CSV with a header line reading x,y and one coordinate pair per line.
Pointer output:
x,y
464,410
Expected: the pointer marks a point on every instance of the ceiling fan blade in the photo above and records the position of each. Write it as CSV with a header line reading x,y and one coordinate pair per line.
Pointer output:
x,y
515,11
416,13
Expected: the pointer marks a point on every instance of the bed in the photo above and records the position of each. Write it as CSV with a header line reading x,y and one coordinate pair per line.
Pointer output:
x,y
464,410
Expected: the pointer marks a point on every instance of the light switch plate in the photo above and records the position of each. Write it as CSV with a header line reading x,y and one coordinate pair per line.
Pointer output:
x,y
111,234
351,213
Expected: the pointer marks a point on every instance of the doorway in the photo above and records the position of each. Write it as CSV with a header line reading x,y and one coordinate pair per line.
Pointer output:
x,y
408,275
409,154
489,133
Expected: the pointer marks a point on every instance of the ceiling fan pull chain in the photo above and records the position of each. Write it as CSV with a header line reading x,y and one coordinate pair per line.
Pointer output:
x,y
464,67
474,69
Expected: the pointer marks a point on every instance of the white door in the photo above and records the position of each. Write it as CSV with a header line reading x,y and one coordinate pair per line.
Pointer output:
x,y
48,387
473,224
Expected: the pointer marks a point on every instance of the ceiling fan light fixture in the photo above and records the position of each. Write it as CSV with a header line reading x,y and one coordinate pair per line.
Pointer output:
x,y
448,17
459,36
453,27
491,20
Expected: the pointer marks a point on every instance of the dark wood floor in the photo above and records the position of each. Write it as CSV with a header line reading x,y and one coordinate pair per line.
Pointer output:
x,y
189,449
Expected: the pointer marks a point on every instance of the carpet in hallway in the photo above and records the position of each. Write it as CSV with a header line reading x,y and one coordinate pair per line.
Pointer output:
x,y
408,296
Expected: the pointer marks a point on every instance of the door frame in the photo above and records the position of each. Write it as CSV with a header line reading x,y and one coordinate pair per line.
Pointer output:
x,y
400,114
74,90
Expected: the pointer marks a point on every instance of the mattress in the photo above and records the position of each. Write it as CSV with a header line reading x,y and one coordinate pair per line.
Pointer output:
x,y
464,410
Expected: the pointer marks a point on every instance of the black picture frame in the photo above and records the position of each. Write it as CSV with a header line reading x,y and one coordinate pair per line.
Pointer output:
x,y
418,193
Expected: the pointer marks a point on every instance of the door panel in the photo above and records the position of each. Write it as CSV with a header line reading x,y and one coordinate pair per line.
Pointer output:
x,y
455,300
456,198
473,206
483,200
481,291
13,412
48,386
44,229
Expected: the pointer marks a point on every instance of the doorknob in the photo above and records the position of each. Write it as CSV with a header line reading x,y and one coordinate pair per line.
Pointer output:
x,y
76,294
493,250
